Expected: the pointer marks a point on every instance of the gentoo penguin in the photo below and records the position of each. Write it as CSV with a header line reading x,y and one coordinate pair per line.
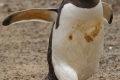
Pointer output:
x,y
77,37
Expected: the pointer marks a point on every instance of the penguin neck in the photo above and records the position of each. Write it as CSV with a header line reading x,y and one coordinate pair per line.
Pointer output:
x,y
84,3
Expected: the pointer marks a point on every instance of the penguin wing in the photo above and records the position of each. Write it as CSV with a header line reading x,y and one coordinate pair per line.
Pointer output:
x,y
107,12
48,15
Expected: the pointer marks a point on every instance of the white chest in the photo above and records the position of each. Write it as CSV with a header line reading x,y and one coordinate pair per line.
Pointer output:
x,y
77,44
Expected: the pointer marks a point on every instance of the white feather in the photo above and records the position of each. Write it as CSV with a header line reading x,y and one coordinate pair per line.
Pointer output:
x,y
77,59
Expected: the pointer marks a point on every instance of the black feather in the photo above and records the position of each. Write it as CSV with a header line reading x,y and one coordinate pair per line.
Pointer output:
x,y
111,18
7,21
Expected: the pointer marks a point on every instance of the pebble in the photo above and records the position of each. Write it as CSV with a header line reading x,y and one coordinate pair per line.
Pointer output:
x,y
2,4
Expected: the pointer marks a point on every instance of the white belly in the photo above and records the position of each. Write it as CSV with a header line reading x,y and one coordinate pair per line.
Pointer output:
x,y
76,48
72,49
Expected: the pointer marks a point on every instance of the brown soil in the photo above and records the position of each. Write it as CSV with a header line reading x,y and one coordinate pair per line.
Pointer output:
x,y
23,46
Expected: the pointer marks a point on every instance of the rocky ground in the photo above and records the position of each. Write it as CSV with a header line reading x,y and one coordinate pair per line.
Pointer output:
x,y
23,46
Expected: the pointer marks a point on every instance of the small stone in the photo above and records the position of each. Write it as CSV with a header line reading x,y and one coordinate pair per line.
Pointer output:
x,y
2,4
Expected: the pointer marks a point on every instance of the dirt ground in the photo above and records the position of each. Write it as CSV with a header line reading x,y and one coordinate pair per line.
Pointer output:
x,y
23,46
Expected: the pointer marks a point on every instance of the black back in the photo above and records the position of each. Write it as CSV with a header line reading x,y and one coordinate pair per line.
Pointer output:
x,y
51,75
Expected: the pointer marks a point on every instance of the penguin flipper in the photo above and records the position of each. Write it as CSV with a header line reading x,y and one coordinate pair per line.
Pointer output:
x,y
47,15
107,12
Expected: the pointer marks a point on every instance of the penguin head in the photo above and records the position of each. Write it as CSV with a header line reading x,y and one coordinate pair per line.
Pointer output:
x,y
84,3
